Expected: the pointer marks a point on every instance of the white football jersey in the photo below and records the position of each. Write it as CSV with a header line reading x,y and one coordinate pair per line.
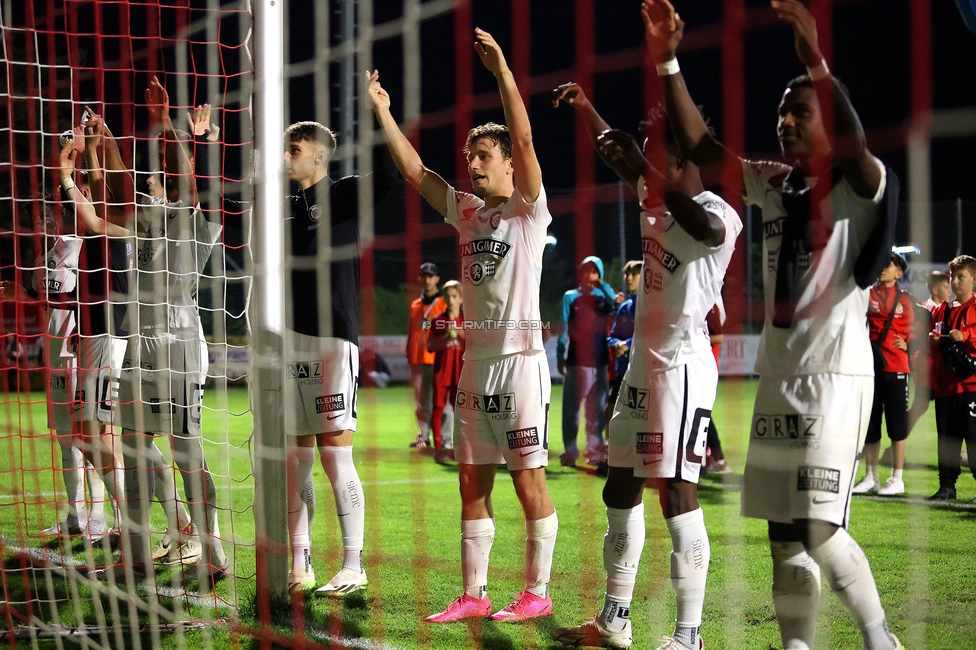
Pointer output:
x,y
57,270
501,268
172,248
828,334
682,281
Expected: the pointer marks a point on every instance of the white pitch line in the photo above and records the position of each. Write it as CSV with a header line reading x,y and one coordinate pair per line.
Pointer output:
x,y
923,502
48,495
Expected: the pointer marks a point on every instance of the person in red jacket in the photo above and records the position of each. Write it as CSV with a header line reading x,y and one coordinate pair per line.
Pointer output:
x,y
422,310
891,317
446,341
955,417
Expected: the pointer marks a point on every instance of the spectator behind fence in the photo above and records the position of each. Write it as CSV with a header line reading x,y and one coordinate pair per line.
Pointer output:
x,y
954,390
446,341
891,319
429,304
583,358
939,289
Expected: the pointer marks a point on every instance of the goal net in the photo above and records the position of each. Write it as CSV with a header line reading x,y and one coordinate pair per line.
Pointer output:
x,y
77,319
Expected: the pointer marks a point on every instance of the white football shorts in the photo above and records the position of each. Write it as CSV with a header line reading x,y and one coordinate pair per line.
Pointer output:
x,y
99,374
321,382
62,367
806,434
163,375
660,421
502,411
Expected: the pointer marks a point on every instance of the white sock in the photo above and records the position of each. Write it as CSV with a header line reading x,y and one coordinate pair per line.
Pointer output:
x,y
300,462
897,474
348,491
796,594
848,573
96,490
73,471
622,547
177,518
476,538
540,540
689,570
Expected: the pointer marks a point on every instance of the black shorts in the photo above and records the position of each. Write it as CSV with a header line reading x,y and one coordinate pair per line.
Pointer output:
x,y
890,398
955,417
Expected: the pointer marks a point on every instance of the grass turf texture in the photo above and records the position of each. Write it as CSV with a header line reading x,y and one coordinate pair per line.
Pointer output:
x,y
920,554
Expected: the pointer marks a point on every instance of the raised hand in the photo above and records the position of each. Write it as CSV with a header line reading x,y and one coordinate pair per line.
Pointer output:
x,y
200,123
67,157
804,30
377,96
157,101
93,131
663,29
571,94
491,55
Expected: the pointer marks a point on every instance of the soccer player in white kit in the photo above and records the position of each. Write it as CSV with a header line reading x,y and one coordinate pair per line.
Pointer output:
x,y
503,396
165,366
815,362
661,418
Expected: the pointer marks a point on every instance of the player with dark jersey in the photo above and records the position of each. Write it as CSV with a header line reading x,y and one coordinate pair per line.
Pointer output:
x,y
322,346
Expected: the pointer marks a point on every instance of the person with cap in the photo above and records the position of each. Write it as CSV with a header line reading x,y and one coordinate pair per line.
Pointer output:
x,y
422,310
582,357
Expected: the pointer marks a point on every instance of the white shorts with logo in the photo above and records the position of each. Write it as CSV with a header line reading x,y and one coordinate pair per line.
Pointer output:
x,y
660,422
805,437
163,375
502,411
63,369
99,373
321,382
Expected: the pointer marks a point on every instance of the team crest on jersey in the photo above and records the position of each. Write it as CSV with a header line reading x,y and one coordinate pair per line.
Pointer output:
x,y
522,438
650,443
654,250
315,213
478,271
818,479
330,403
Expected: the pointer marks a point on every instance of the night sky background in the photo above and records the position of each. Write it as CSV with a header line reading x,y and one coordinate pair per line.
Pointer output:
x,y
107,52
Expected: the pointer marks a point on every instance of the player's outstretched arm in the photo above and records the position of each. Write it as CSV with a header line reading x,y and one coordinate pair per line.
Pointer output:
x,y
596,126
620,147
850,148
177,158
663,30
431,186
528,174
84,210
95,178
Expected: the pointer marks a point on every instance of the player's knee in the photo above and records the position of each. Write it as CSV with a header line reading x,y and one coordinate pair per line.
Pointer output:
x,y
623,490
678,497
814,532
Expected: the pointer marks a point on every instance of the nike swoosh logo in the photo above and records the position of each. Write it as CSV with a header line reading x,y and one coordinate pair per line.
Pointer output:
x,y
818,501
651,462
523,454
333,417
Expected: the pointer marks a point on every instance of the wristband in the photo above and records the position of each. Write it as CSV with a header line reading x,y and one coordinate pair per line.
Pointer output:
x,y
819,71
67,184
669,67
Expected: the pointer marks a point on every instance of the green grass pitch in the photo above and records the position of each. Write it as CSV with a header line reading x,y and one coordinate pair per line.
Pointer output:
x,y
922,556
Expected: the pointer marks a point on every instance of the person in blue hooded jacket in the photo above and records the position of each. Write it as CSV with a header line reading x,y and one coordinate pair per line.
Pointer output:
x,y
582,356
